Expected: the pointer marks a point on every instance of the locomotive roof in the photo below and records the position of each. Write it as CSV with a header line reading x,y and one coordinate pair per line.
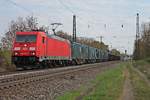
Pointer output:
x,y
26,32
46,33
56,37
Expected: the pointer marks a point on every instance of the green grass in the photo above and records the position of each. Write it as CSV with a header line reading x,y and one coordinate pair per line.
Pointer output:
x,y
107,86
142,62
143,66
140,87
6,55
69,96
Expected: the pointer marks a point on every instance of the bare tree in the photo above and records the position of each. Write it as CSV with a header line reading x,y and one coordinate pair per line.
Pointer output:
x,y
142,45
21,24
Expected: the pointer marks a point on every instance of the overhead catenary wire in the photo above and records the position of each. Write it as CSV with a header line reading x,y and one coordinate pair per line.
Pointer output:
x,y
72,12
19,6
70,9
88,22
80,19
66,7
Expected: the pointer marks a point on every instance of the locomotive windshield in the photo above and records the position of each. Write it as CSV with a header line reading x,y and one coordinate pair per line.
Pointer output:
x,y
26,38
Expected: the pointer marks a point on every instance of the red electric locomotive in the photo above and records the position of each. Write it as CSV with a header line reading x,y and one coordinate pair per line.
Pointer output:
x,y
37,48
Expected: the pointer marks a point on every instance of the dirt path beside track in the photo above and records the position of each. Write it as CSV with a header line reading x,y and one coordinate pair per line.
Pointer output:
x,y
136,84
127,93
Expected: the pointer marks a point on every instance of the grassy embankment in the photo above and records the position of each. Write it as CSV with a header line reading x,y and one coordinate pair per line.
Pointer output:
x,y
141,87
143,66
107,86
5,61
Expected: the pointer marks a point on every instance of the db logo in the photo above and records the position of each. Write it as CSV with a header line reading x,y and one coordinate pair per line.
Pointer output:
x,y
25,48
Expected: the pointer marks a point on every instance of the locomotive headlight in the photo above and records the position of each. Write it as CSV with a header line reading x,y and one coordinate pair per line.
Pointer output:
x,y
32,48
17,48
16,53
33,53
25,45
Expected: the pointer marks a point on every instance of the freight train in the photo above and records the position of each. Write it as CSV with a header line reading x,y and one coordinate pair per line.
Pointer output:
x,y
37,49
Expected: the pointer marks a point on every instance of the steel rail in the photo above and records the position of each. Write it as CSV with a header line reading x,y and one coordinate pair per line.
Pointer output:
x,y
12,80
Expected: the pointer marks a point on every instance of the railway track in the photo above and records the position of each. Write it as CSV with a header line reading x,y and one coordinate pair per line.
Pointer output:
x,y
23,78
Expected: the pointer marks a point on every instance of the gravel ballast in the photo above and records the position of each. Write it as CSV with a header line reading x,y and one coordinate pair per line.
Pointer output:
x,y
51,88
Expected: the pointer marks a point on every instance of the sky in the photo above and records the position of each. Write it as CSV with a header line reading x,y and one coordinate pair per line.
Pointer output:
x,y
95,18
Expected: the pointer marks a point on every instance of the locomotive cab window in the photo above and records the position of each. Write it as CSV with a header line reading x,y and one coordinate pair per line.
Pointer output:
x,y
25,38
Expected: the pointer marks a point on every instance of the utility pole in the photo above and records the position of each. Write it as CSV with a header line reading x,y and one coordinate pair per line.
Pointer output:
x,y
137,27
137,36
74,28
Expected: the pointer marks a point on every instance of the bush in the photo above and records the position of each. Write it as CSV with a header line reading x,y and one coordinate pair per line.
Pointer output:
x,y
5,60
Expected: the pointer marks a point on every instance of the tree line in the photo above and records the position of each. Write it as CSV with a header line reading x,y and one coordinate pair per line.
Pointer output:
x,y
21,24
142,43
